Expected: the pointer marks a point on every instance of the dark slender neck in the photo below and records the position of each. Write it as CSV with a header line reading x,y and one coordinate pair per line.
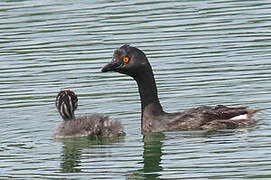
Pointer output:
x,y
148,91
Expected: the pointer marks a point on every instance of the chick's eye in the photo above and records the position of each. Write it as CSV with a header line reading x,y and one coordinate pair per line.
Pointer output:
x,y
125,59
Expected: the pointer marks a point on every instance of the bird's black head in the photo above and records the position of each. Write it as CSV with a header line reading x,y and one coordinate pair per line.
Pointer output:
x,y
66,104
127,60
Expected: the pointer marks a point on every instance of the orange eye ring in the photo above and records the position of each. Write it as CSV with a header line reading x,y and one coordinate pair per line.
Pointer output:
x,y
125,59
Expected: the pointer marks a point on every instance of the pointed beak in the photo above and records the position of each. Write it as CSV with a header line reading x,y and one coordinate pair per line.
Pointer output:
x,y
112,66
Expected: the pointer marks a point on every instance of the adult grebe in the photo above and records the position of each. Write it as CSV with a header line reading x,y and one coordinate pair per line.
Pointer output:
x,y
133,62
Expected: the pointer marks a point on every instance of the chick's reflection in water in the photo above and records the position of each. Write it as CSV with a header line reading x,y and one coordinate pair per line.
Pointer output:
x,y
71,158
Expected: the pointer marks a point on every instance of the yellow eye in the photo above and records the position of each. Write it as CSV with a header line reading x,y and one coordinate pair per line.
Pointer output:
x,y
125,59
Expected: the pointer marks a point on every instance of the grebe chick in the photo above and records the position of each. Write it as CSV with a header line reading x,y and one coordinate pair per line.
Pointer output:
x,y
94,125
133,62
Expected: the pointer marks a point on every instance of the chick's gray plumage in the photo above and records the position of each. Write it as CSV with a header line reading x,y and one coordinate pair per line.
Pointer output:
x,y
95,125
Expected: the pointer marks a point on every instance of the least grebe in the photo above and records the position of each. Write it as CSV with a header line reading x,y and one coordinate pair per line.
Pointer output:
x,y
133,62
95,125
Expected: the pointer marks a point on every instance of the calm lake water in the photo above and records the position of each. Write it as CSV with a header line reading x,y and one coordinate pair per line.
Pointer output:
x,y
202,52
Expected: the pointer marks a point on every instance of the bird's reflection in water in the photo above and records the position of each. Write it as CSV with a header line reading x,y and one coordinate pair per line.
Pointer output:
x,y
153,150
72,151
152,155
